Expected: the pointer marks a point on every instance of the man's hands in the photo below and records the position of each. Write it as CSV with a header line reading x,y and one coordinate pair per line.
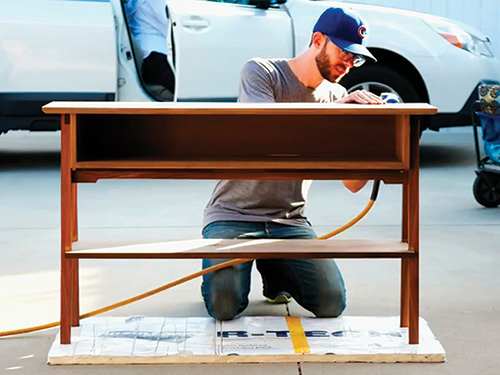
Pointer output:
x,y
361,97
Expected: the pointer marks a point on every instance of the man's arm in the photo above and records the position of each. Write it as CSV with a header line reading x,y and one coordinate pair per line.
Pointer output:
x,y
255,84
361,97
354,185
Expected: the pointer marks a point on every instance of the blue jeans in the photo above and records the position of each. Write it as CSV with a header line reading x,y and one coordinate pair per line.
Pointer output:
x,y
316,284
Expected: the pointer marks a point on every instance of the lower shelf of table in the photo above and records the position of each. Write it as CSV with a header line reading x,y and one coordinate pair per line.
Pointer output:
x,y
251,249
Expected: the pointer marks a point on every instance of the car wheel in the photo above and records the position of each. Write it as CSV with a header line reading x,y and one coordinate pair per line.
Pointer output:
x,y
486,189
379,79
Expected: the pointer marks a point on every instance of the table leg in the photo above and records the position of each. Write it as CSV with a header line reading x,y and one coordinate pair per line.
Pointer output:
x,y
75,294
413,288
66,209
75,307
414,233
404,301
404,214
74,207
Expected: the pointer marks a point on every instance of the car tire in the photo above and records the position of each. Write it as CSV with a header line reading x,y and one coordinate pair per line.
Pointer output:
x,y
378,79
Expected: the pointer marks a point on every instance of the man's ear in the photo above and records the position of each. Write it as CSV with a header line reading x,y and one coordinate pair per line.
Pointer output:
x,y
318,40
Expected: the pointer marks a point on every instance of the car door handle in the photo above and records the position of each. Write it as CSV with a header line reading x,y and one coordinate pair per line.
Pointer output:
x,y
195,23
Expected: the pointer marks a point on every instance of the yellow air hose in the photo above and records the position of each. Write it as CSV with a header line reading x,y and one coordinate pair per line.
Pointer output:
x,y
233,262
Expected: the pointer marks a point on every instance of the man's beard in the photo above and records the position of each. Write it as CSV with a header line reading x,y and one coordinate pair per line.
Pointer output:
x,y
325,67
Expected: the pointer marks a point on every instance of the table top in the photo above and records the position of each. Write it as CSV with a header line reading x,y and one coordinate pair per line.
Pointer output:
x,y
200,108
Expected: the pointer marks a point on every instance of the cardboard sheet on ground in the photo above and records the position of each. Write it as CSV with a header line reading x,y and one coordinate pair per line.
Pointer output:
x,y
139,339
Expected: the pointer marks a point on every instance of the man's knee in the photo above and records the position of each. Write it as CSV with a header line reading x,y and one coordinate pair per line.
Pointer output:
x,y
224,295
331,303
226,305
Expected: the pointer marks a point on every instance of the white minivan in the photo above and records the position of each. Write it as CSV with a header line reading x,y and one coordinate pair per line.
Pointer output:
x,y
82,50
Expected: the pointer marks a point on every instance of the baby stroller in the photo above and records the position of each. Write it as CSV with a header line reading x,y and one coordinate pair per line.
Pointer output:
x,y
486,187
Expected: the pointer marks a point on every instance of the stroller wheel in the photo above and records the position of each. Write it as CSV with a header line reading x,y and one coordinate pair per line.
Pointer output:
x,y
487,189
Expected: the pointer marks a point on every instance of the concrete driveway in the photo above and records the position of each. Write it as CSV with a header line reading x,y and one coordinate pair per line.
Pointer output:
x,y
460,247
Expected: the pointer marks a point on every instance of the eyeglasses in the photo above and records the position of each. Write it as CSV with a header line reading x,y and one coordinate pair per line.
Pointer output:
x,y
355,60
348,57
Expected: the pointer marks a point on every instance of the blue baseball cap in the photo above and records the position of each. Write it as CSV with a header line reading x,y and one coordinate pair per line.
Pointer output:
x,y
346,29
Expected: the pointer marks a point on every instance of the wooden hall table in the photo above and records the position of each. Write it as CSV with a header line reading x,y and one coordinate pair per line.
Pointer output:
x,y
102,140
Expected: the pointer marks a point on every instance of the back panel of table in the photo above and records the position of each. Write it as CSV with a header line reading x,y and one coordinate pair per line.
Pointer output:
x,y
298,141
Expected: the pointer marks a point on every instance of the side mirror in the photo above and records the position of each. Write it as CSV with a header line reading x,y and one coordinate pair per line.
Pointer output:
x,y
261,4
265,4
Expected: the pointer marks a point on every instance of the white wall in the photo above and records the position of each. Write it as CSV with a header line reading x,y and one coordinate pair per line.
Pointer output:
x,y
484,15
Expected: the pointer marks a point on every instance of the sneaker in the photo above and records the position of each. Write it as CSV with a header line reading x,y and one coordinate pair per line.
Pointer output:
x,y
279,298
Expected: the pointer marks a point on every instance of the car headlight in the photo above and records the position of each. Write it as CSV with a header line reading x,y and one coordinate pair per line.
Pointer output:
x,y
461,38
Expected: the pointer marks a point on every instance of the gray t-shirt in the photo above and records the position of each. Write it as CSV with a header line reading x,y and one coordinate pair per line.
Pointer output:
x,y
282,201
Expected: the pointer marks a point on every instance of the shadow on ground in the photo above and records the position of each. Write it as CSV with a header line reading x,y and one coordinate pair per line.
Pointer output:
x,y
434,156
25,160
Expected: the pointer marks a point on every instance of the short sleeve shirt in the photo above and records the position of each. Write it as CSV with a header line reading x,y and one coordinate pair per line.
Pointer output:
x,y
281,201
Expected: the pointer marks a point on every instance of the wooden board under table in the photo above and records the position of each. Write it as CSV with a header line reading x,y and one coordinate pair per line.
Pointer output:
x,y
102,140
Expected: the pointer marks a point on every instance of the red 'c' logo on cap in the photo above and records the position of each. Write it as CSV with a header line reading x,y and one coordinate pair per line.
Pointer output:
x,y
362,32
